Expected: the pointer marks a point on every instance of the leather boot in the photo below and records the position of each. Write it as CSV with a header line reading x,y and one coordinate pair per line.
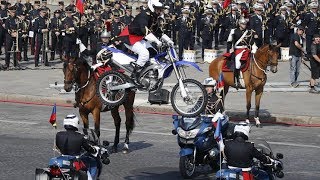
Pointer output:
x,y
236,78
136,73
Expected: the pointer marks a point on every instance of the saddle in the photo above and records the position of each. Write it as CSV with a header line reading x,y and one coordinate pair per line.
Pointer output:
x,y
229,63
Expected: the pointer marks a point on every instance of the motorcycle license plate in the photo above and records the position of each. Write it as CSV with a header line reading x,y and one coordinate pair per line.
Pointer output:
x,y
185,141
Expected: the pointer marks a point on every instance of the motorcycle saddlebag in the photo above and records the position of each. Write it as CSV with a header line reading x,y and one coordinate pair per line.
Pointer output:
x,y
159,97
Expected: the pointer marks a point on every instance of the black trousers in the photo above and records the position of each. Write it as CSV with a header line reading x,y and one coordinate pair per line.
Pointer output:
x,y
56,45
9,48
93,45
184,43
206,44
24,47
39,51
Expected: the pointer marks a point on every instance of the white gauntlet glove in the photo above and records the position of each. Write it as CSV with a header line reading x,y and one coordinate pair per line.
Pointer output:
x,y
152,38
254,48
166,39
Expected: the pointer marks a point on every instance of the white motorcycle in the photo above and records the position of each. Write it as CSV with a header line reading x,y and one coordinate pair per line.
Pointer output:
x,y
188,96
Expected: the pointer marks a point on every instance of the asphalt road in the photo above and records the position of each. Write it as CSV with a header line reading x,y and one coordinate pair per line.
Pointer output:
x,y
26,140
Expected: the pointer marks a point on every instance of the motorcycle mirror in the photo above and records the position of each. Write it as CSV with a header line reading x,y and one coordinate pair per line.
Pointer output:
x,y
280,174
105,143
174,132
279,156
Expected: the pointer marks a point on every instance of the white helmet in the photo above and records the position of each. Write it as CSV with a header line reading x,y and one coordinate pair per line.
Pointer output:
x,y
71,120
105,34
242,129
209,82
154,3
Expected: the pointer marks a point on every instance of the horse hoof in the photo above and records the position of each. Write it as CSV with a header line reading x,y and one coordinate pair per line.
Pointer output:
x,y
125,151
125,148
258,125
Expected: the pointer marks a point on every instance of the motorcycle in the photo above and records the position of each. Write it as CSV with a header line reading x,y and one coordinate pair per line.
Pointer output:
x,y
259,170
197,142
67,167
112,86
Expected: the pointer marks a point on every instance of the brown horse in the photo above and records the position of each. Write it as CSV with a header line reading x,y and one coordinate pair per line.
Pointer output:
x,y
78,72
255,76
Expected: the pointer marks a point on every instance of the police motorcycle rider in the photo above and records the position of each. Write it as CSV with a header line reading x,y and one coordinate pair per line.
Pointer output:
x,y
215,101
144,26
239,152
70,142
241,42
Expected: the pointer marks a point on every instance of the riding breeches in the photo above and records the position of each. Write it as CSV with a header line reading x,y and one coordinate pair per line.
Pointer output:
x,y
140,48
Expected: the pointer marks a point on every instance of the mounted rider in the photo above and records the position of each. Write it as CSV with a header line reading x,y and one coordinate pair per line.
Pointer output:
x,y
144,29
241,42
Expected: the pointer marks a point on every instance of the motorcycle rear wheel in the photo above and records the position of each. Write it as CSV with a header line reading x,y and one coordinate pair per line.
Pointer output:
x,y
197,98
187,166
111,97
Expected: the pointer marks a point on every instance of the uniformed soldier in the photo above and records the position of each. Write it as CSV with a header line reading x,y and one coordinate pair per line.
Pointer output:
x,y
168,21
118,10
218,18
292,17
116,25
257,23
106,13
144,5
207,28
127,18
178,4
231,20
61,9
12,27
41,28
123,4
33,15
193,11
25,28
310,22
281,29
20,7
3,17
28,6
97,6
240,41
71,6
69,30
198,14
184,28
56,37
44,6
96,27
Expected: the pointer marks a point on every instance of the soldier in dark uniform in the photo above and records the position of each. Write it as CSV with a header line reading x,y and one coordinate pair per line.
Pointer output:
x,y
310,22
127,18
28,6
167,29
33,15
199,10
71,6
184,28
116,25
3,17
123,4
97,6
144,5
69,30
107,13
11,25
25,28
256,23
118,10
56,37
281,30
217,16
240,41
178,4
41,28
231,21
44,6
207,28
96,28
292,17
61,9
20,7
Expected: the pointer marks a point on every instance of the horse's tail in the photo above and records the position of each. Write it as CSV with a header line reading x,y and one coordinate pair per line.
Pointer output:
x,y
130,123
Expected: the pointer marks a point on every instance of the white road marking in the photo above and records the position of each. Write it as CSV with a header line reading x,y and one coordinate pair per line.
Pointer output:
x,y
17,122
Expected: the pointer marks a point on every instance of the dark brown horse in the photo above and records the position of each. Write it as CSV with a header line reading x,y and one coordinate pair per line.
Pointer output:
x,y
78,72
255,76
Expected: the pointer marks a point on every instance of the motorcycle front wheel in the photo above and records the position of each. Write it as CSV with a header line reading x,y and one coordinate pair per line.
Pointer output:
x,y
194,103
111,97
187,166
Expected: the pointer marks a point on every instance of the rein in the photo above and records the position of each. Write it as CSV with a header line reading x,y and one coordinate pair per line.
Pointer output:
x,y
259,67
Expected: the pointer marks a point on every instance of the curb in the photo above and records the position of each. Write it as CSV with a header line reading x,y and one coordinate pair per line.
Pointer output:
x,y
234,115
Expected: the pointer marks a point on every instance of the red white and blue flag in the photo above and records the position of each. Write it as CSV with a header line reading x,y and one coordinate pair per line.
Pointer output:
x,y
220,85
80,6
53,117
217,133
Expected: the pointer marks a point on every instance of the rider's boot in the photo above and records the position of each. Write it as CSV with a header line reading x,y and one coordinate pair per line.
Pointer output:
x,y
237,79
136,73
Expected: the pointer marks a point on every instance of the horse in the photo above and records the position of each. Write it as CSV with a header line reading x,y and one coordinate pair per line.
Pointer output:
x,y
79,73
255,77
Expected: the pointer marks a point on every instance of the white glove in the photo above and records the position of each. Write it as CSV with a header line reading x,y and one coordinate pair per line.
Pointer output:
x,y
254,48
78,41
94,67
152,38
82,47
97,151
166,39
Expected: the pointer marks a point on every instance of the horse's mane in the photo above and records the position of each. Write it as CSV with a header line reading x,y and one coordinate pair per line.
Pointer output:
x,y
260,52
83,61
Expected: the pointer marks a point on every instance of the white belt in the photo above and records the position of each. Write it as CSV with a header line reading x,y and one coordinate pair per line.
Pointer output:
x,y
241,47
243,169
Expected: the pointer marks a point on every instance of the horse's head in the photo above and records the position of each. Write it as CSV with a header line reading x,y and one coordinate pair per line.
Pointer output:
x,y
72,68
273,55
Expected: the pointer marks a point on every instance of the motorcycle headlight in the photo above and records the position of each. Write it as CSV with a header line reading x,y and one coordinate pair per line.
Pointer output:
x,y
187,134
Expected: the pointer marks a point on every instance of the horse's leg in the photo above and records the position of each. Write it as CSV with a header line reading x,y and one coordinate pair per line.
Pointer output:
x,y
259,92
96,118
117,123
85,120
248,97
128,106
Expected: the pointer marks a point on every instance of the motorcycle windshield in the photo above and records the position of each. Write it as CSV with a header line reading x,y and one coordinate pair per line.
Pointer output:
x,y
190,123
262,146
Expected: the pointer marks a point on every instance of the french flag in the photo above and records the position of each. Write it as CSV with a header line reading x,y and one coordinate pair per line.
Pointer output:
x,y
218,135
80,6
53,117
220,85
